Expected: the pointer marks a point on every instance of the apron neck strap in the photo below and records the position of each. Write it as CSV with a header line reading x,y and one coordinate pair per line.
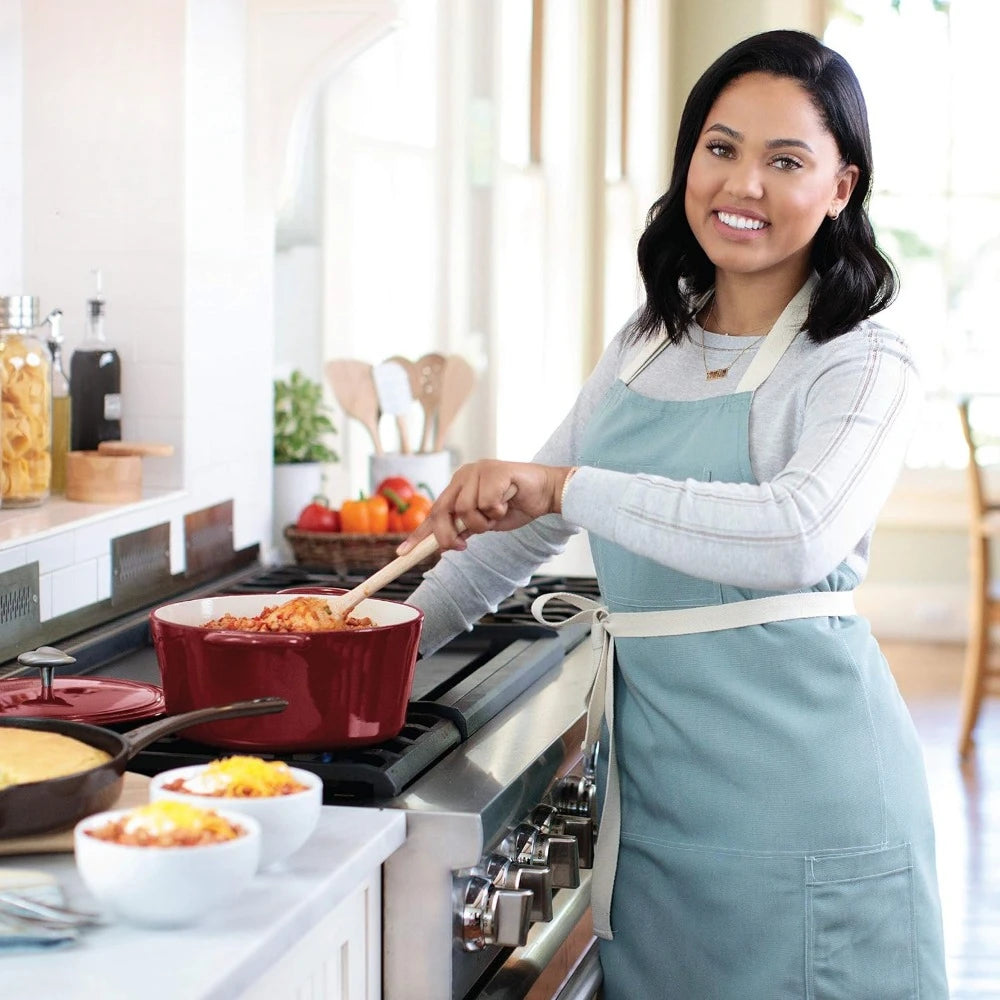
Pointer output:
x,y
782,334
784,331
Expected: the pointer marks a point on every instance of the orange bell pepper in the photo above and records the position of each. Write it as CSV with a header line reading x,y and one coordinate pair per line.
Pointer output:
x,y
406,517
365,516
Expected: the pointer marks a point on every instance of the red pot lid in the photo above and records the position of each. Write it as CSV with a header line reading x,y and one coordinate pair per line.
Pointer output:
x,y
100,701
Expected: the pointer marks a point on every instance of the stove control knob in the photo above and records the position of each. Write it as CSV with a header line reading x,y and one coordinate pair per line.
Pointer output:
x,y
548,820
507,874
527,845
485,914
576,795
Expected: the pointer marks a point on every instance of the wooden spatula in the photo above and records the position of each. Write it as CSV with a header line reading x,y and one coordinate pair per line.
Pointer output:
x,y
429,368
457,381
354,388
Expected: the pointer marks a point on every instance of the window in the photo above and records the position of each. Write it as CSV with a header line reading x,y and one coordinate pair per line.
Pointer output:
x,y
927,68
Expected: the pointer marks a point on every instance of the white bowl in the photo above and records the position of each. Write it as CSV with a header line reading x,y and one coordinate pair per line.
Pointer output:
x,y
286,821
165,886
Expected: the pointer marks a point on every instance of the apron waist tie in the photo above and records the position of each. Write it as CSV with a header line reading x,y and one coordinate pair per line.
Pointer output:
x,y
604,627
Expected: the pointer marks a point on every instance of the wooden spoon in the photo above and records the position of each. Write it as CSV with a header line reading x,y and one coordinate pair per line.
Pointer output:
x,y
343,605
354,388
429,368
457,381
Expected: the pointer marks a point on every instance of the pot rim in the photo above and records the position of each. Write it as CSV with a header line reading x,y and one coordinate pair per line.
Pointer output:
x,y
416,617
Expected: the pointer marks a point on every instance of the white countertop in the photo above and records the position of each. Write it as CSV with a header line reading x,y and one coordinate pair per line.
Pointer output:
x,y
21,524
230,948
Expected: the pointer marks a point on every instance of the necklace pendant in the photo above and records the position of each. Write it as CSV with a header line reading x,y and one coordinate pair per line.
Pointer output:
x,y
716,373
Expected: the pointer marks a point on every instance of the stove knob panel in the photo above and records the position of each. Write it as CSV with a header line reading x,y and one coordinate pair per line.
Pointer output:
x,y
486,915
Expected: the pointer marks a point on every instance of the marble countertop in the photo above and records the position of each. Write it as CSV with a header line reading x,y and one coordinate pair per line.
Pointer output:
x,y
229,949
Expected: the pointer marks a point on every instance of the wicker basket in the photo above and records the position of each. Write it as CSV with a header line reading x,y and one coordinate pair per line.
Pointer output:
x,y
347,553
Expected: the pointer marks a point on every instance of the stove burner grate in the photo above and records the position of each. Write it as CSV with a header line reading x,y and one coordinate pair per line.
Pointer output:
x,y
351,774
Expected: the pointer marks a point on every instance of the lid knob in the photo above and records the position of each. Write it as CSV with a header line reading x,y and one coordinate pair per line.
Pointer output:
x,y
46,658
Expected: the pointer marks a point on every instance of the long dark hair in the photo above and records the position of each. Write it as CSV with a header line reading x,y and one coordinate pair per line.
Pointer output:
x,y
856,278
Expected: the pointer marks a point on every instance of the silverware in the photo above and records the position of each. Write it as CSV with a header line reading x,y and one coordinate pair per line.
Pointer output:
x,y
24,908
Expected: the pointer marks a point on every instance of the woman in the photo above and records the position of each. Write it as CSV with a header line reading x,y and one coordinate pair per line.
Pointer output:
x,y
766,830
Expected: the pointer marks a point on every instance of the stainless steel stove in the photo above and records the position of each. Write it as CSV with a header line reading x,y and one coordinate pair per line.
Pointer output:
x,y
494,873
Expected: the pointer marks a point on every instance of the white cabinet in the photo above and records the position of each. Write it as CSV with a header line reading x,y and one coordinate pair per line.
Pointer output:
x,y
339,959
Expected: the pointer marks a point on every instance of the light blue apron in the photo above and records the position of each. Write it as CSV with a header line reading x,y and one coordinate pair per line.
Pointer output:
x,y
775,827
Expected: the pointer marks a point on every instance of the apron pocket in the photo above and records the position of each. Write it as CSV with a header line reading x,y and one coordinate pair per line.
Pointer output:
x,y
860,930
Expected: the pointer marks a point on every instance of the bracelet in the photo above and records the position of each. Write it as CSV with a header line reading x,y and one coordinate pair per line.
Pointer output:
x,y
562,495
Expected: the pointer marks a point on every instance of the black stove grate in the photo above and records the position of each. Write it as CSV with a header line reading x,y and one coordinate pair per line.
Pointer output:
x,y
354,774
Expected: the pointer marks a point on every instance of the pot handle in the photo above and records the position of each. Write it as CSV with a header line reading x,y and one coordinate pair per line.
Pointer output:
x,y
255,639
139,739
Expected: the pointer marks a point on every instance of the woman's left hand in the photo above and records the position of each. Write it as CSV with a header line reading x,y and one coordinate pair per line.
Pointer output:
x,y
490,496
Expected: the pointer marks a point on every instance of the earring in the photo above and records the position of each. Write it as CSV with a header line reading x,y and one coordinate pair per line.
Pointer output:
x,y
834,215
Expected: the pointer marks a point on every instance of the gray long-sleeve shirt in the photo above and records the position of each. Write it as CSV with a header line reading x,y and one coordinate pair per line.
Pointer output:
x,y
828,433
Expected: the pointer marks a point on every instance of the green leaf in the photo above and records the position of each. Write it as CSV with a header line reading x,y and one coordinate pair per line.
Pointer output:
x,y
301,421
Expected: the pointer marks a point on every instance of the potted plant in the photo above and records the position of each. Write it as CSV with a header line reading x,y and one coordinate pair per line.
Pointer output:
x,y
301,422
302,430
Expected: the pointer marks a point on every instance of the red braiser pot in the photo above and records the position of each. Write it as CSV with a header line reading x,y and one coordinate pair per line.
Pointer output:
x,y
343,688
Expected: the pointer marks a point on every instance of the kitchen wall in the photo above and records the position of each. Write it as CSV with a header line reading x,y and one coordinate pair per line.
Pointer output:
x,y
151,140
155,140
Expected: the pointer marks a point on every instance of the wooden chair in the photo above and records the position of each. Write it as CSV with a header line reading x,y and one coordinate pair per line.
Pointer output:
x,y
984,607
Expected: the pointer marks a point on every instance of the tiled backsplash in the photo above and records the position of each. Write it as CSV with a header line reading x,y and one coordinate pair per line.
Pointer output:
x,y
71,543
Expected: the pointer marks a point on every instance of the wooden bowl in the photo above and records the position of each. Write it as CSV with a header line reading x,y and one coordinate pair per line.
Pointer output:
x,y
112,474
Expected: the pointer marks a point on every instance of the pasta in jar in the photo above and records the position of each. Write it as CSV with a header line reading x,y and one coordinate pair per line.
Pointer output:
x,y
25,420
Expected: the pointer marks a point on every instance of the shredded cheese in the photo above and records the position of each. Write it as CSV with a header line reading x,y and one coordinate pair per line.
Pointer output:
x,y
242,778
168,823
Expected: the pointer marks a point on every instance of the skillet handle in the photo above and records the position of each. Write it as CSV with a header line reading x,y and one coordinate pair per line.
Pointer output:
x,y
255,639
139,739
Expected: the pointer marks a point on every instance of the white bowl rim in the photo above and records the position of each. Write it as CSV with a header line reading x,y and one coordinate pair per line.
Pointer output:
x,y
249,823
310,779
181,613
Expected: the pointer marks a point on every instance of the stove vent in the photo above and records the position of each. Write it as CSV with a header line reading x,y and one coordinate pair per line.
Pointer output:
x,y
19,610
140,563
208,538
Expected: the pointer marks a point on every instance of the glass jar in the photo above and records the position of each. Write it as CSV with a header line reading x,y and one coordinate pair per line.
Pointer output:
x,y
25,406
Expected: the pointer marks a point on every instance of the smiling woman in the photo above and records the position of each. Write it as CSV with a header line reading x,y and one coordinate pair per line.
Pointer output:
x,y
765,826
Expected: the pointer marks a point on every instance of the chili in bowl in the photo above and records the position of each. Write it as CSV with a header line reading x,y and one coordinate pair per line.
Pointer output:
x,y
166,864
284,800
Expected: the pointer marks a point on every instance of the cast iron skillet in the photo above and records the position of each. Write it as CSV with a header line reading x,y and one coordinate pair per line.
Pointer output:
x,y
57,803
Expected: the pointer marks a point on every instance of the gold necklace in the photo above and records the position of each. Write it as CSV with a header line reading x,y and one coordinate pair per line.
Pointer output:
x,y
711,374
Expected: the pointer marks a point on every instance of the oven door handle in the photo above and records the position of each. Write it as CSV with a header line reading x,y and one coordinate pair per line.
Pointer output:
x,y
518,974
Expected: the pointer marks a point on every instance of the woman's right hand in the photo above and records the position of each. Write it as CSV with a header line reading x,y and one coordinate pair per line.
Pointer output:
x,y
490,496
